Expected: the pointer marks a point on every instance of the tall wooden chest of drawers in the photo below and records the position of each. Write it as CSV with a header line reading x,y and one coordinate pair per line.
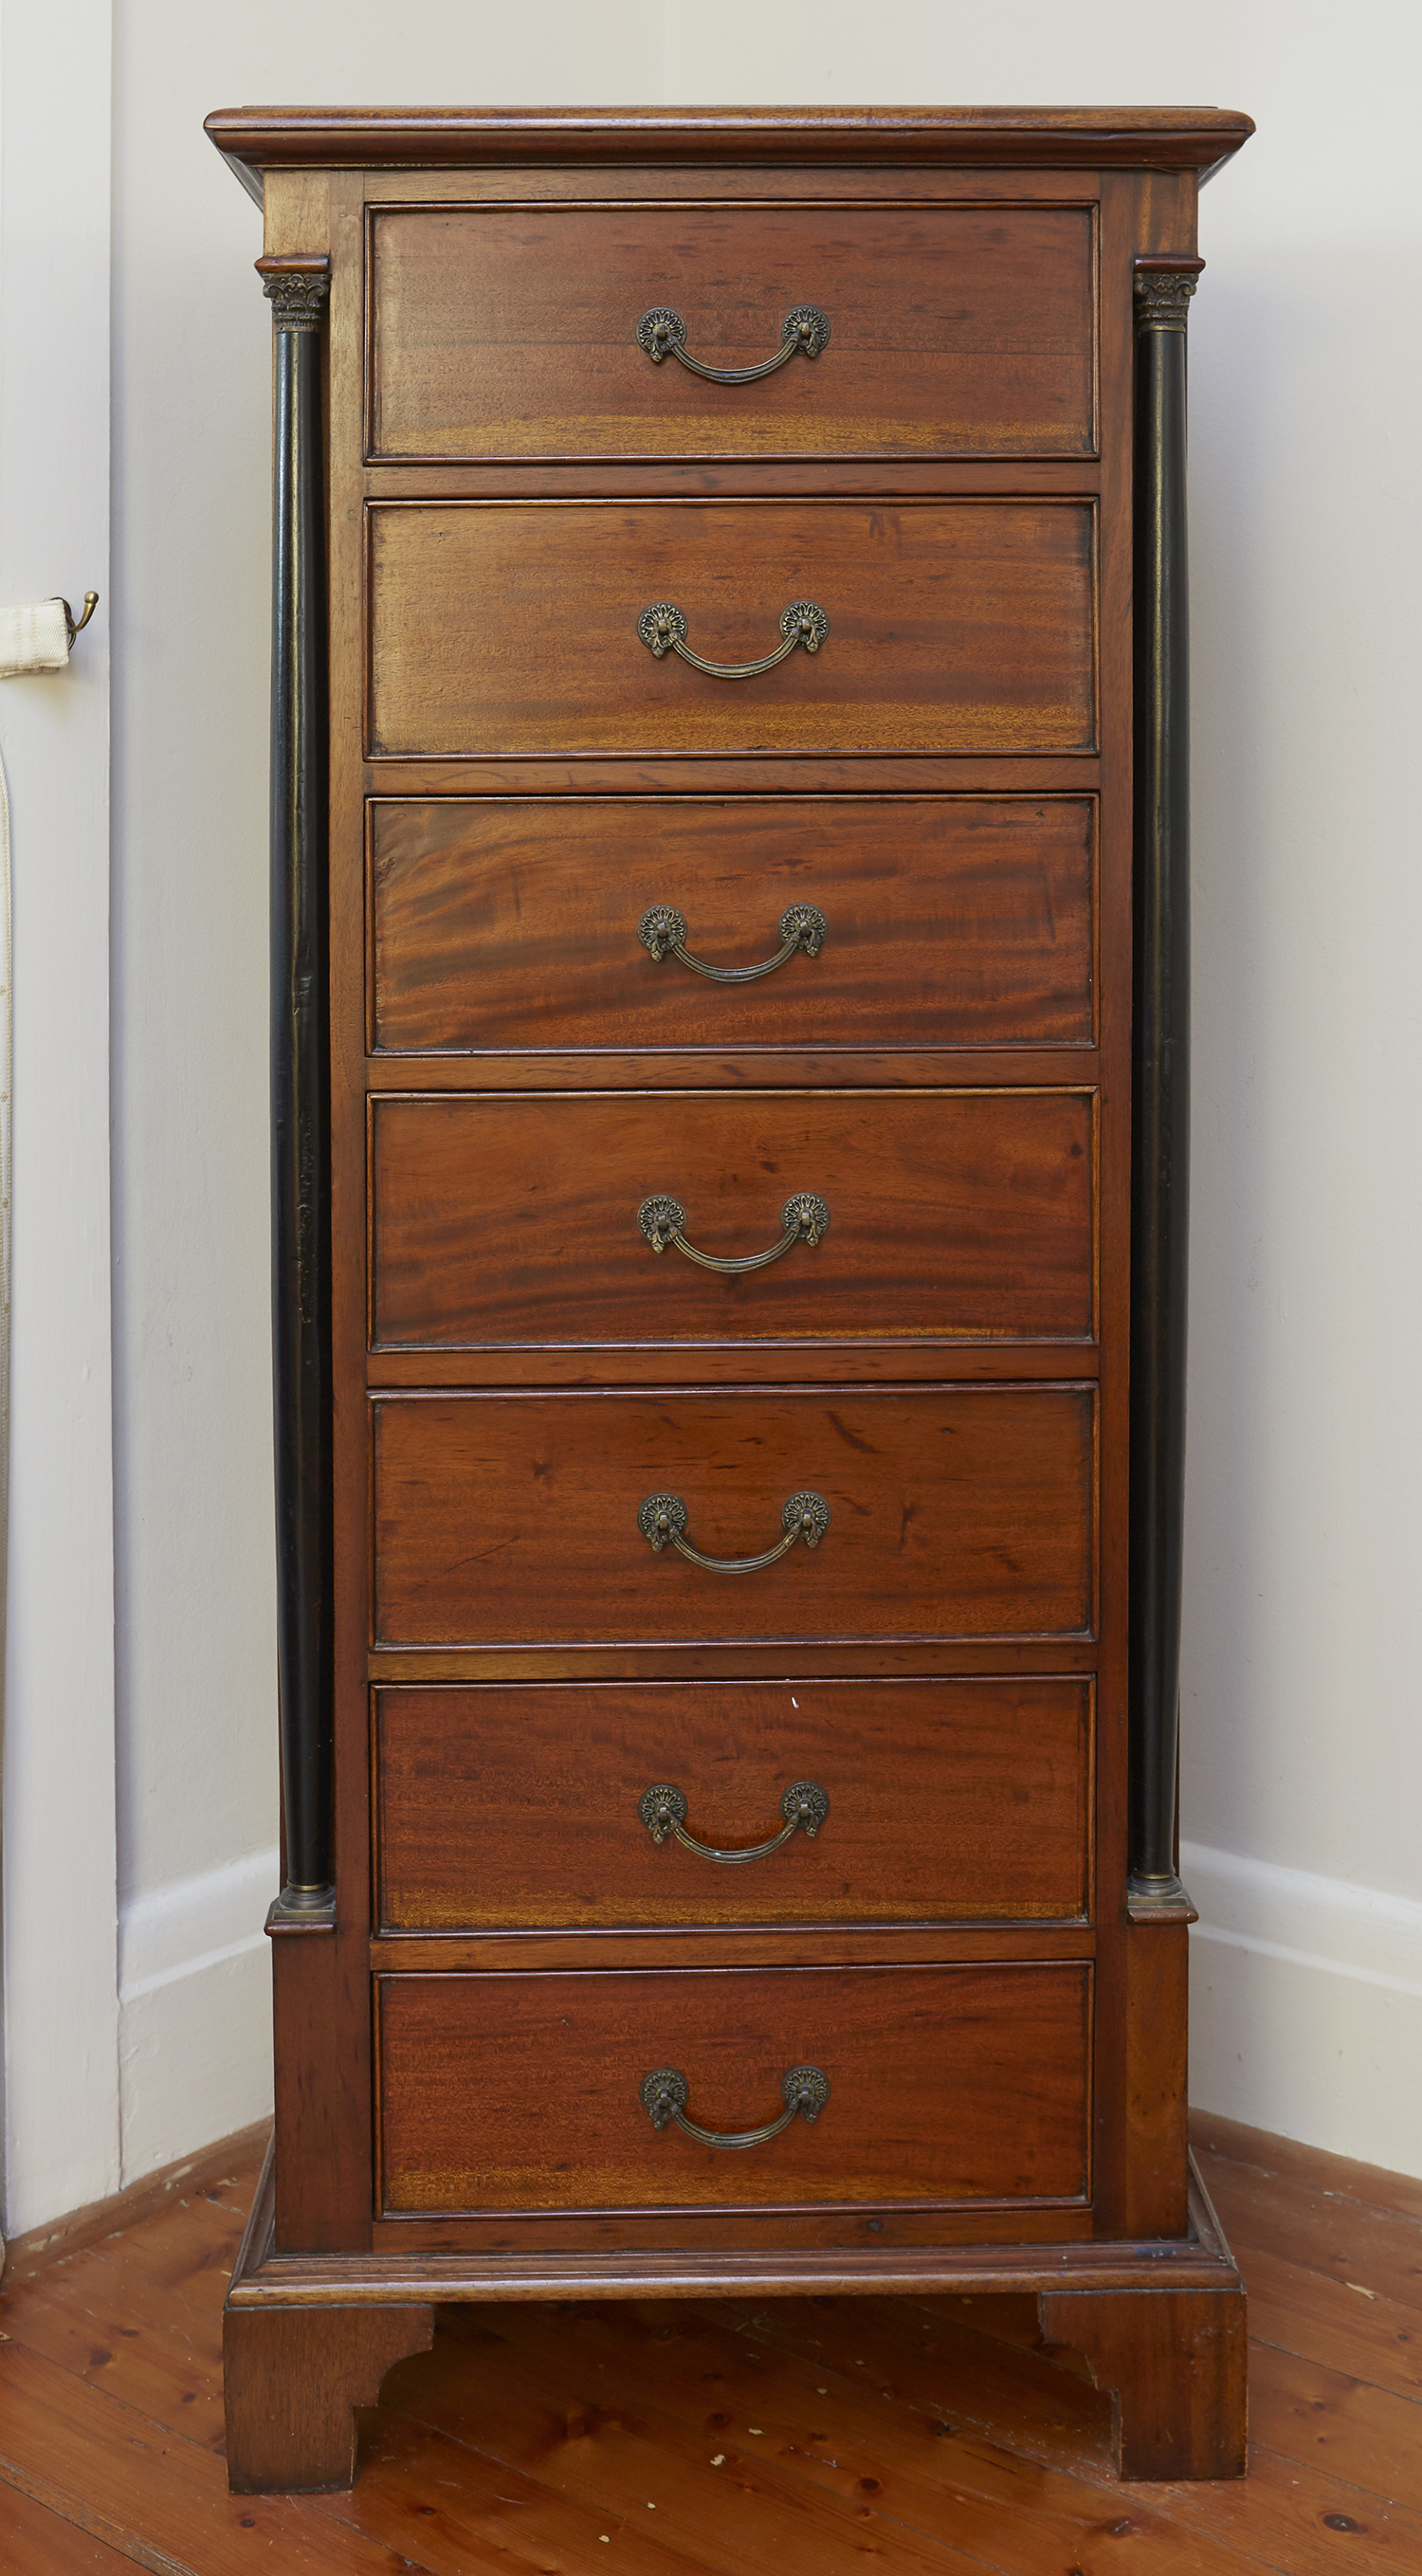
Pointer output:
x,y
729,1099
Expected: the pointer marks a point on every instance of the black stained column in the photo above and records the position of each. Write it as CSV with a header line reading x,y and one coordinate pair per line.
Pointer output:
x,y
1160,1077
300,1089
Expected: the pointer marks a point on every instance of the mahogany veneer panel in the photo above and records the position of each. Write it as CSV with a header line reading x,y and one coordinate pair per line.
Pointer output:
x,y
510,332
503,1220
512,922
957,1512
511,627
948,1801
522,2092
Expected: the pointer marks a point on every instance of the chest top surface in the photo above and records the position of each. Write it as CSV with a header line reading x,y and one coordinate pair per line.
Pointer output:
x,y
255,139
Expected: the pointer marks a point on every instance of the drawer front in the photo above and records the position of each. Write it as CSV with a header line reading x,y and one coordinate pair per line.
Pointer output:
x,y
512,627
505,922
523,2092
513,1519
512,332
508,1222
948,1801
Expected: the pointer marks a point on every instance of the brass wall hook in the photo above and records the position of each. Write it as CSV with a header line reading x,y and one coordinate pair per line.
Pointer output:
x,y
72,625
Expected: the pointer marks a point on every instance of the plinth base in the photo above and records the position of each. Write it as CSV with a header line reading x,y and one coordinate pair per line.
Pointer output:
x,y
308,2338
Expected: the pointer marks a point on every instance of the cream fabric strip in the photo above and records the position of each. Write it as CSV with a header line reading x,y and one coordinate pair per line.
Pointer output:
x,y
33,638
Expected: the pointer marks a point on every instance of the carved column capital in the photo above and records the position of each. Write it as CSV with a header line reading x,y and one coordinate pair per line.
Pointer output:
x,y
297,289
1164,287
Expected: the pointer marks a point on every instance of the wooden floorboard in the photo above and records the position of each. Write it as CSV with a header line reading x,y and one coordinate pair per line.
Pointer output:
x,y
39,2542
736,2437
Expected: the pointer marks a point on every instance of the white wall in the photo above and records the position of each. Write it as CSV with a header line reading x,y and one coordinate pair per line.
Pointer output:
x,y
60,2004
1304,1754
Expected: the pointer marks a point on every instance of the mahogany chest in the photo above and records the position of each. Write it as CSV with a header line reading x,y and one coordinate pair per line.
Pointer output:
x,y
729,940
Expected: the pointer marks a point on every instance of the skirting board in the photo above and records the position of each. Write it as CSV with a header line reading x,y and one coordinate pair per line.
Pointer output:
x,y
1306,2007
174,2185
195,2016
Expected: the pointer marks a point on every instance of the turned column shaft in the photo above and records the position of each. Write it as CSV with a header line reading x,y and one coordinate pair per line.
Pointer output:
x,y
300,1083
1161,1072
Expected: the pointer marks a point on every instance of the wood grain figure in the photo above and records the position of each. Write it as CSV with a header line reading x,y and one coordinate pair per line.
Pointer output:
x,y
954,1512
508,629
947,1800
503,333
511,923
946,1216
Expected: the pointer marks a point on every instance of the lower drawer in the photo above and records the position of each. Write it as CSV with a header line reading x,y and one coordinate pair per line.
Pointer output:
x,y
530,2093
523,1804
511,1223
954,1511
951,921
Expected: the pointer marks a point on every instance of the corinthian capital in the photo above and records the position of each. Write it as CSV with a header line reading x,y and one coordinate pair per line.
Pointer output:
x,y
1164,286
298,288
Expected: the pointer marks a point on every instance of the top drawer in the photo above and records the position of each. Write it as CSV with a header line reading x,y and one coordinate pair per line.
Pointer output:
x,y
511,332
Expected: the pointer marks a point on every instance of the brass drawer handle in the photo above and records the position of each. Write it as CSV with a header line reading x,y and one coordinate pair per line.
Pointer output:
x,y
663,933
662,1517
663,1811
662,628
803,1218
662,333
664,2097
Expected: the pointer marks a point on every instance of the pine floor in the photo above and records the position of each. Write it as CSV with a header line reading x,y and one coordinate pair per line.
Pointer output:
x,y
796,2438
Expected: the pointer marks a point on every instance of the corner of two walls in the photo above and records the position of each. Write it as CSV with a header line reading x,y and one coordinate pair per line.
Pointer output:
x,y
195,2023
1306,2007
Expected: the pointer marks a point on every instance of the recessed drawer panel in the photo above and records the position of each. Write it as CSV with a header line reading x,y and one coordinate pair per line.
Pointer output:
x,y
509,922
508,1222
512,332
513,627
936,2084
635,1803
516,1519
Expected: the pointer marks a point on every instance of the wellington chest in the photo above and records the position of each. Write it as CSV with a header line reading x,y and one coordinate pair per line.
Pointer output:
x,y
729,1061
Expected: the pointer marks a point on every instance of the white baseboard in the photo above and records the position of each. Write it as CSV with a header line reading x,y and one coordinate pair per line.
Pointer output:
x,y
195,2022
1306,2006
